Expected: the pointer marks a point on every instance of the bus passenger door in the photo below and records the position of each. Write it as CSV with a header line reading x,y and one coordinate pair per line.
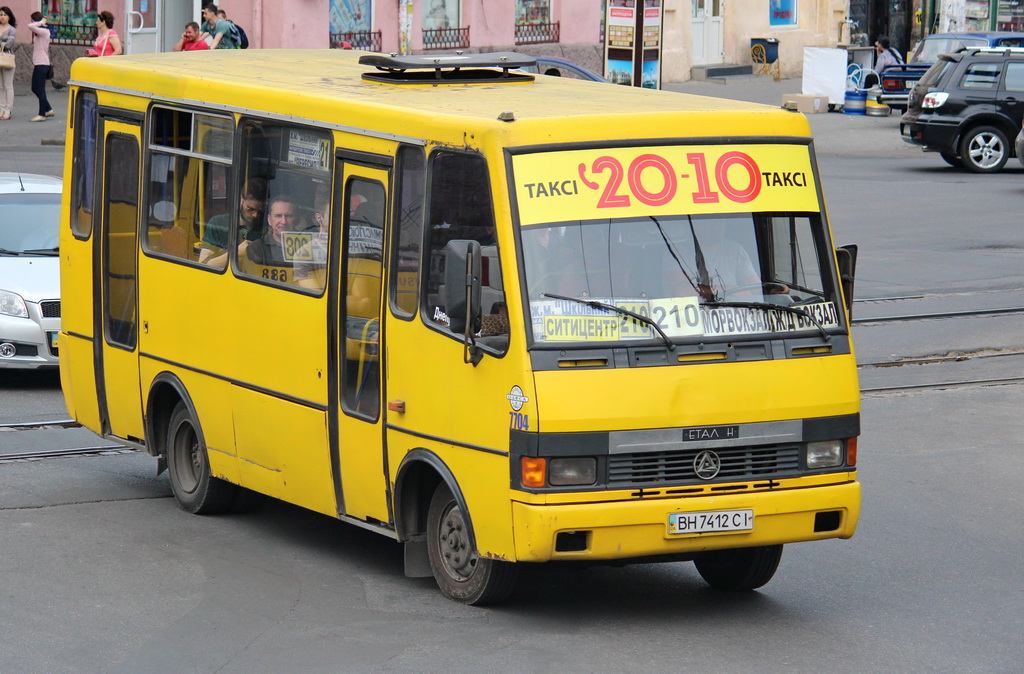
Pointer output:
x,y
115,291
356,292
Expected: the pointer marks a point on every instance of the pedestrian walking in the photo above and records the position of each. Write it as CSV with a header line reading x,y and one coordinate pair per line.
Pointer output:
x,y
8,32
41,68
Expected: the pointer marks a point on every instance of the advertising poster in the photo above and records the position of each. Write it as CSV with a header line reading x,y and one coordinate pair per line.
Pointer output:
x,y
633,42
782,12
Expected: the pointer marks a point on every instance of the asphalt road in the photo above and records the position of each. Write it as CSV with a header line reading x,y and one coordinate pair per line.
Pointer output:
x,y
101,572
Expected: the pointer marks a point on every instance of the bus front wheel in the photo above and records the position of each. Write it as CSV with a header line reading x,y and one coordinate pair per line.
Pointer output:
x,y
741,569
195,489
461,574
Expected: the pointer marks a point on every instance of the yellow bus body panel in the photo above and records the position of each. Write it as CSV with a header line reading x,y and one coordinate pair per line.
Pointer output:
x,y
697,395
622,529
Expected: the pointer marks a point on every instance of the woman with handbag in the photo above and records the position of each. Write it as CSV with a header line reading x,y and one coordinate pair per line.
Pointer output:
x,y
40,64
107,41
7,34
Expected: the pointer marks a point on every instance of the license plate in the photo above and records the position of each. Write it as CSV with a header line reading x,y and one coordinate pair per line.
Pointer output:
x,y
910,85
710,521
53,340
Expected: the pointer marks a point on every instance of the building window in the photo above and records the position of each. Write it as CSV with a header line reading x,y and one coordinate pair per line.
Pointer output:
x,y
441,14
533,22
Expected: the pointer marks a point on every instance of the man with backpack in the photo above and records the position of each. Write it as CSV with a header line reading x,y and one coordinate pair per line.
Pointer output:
x,y
218,29
241,39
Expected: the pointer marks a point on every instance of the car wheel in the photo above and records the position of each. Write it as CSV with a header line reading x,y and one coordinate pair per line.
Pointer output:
x,y
952,159
984,149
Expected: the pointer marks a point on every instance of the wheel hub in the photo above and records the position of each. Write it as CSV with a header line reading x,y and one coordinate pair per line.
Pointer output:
x,y
457,556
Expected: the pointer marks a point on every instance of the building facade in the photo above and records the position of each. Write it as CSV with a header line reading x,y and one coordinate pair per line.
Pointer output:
x,y
693,32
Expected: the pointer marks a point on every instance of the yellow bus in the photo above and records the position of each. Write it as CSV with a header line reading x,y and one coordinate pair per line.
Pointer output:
x,y
499,318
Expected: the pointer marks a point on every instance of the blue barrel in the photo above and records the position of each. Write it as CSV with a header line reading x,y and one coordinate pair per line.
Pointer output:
x,y
856,103
771,47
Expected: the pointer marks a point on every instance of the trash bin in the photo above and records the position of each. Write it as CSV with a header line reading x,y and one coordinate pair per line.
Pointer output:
x,y
771,47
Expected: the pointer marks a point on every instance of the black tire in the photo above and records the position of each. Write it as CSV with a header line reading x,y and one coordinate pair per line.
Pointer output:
x,y
195,489
461,574
952,159
741,569
984,149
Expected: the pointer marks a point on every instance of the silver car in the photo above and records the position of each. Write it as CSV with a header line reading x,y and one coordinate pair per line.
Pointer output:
x,y
29,270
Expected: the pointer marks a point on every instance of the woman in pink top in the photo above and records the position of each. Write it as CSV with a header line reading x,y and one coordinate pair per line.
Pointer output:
x,y
107,42
41,64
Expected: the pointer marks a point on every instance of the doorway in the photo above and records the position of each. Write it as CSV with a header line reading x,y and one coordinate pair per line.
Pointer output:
x,y
706,32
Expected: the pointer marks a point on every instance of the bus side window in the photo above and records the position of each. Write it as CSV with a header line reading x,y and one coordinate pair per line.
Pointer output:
x,y
184,191
405,276
461,208
83,172
295,162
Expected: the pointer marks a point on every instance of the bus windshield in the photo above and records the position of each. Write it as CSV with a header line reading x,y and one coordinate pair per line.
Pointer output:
x,y
697,277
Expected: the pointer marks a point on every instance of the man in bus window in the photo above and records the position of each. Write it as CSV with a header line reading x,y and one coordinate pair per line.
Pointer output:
x,y
266,257
250,217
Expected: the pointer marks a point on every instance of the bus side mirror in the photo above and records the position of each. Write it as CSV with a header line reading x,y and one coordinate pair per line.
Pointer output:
x,y
462,286
847,258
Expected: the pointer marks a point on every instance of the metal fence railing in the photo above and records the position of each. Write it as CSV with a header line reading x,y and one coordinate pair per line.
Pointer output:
x,y
537,33
446,38
71,33
367,40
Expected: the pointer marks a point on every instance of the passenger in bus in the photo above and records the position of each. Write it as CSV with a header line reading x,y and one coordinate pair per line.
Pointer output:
x,y
311,260
250,218
282,216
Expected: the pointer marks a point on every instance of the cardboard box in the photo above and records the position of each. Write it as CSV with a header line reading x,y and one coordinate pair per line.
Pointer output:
x,y
805,103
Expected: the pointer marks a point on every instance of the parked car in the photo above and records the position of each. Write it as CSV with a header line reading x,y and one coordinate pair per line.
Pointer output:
x,y
896,82
967,107
552,65
29,270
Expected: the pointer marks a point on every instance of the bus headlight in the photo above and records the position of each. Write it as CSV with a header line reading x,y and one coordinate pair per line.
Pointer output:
x,y
828,454
574,471
12,304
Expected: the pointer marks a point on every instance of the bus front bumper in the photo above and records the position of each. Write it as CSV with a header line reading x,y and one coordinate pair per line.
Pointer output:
x,y
640,528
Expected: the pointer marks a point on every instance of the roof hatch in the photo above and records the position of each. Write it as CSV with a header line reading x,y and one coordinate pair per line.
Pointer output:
x,y
455,68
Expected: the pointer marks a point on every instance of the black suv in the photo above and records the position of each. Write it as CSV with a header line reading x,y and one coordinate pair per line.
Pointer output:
x,y
968,107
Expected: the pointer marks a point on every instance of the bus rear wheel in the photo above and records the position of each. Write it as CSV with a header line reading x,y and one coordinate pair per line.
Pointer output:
x,y
461,574
741,569
195,489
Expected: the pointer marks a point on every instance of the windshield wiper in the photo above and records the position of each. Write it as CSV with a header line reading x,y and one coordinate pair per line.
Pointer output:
x,y
595,304
42,251
4,251
768,305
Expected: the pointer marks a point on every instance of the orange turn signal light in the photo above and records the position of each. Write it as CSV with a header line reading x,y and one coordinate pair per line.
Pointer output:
x,y
851,452
533,471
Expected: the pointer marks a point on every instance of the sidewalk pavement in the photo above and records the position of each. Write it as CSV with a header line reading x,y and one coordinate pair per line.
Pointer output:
x,y
844,134
19,132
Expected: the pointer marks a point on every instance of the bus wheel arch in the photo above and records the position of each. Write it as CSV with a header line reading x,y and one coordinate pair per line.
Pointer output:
x,y
165,393
418,476
429,509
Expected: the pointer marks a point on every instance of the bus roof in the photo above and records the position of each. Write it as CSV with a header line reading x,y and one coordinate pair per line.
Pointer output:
x,y
326,84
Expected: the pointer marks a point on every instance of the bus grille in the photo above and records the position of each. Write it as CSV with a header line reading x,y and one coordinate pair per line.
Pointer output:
x,y
738,463
50,309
